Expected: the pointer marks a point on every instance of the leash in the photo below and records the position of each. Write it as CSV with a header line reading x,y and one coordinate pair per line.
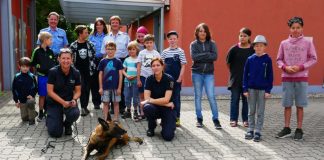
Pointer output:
x,y
49,145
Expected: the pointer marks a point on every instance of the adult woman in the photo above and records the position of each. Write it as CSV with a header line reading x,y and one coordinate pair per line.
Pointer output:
x,y
236,58
158,101
203,52
64,88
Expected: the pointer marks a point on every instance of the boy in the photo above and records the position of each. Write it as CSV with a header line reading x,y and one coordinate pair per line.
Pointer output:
x,y
43,60
175,60
24,89
110,80
295,56
130,83
257,84
144,66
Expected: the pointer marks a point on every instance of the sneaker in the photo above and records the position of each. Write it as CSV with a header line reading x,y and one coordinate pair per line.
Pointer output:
x,y
249,135
178,122
233,123
285,132
150,133
217,124
126,115
257,137
135,116
31,122
84,112
68,130
96,106
143,117
40,116
298,134
199,123
246,124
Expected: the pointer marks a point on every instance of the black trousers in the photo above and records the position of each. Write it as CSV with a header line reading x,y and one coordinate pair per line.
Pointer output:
x,y
89,83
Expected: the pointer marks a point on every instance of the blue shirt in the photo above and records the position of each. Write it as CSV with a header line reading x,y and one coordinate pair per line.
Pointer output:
x,y
59,39
97,41
121,39
130,64
110,76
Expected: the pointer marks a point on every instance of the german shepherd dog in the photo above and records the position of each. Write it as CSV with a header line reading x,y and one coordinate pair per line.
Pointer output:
x,y
106,135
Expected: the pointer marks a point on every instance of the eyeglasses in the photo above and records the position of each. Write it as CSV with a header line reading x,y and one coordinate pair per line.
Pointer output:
x,y
110,49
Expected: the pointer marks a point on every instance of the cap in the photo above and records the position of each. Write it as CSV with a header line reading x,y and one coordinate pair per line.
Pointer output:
x,y
172,33
260,39
142,29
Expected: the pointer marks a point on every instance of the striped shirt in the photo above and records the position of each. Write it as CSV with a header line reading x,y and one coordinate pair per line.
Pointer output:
x,y
173,59
131,68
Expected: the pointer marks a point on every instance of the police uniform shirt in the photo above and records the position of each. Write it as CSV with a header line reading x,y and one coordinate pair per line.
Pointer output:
x,y
63,84
121,39
59,39
97,41
158,89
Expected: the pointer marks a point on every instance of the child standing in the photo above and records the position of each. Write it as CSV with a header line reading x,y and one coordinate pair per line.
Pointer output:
x,y
110,80
295,56
130,83
257,84
175,60
24,89
144,69
235,60
43,60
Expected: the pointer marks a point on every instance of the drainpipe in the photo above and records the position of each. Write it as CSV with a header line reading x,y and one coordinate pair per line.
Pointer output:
x,y
162,29
22,37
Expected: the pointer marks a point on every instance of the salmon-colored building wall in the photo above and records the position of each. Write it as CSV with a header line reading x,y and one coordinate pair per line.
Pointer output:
x,y
226,18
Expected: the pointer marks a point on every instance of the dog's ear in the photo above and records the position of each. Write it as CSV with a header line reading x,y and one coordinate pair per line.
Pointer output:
x,y
108,117
103,123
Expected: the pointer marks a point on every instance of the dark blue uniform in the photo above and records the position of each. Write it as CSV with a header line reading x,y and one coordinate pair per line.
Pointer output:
x,y
64,87
153,112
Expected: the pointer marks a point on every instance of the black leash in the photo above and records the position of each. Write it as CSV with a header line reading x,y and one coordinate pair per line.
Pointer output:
x,y
49,145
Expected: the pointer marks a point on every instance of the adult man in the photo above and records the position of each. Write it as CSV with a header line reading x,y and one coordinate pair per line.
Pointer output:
x,y
121,39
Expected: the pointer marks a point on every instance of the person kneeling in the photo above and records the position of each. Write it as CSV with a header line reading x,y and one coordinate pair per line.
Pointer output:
x,y
63,88
158,101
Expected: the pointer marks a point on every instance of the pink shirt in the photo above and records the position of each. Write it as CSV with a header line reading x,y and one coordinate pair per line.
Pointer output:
x,y
296,51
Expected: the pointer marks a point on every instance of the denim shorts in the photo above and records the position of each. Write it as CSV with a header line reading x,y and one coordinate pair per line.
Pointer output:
x,y
141,89
110,96
294,92
42,85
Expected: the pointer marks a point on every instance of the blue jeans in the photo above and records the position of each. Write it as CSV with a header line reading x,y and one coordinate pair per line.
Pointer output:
x,y
176,98
207,81
131,93
235,103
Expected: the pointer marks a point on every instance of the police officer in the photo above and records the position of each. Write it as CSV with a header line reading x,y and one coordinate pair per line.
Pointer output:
x,y
158,101
121,39
64,88
58,35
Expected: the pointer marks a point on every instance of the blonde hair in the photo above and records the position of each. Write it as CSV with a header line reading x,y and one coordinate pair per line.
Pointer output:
x,y
133,44
115,18
42,36
53,13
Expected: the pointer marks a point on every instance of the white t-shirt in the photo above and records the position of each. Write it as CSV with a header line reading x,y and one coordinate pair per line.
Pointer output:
x,y
145,58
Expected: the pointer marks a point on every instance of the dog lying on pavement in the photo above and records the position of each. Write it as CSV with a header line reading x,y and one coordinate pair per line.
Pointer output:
x,y
106,135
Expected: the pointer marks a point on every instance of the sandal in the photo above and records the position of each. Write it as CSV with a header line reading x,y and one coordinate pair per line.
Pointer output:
x,y
246,124
233,123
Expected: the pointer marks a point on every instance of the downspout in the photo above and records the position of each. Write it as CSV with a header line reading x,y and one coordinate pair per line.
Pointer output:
x,y
162,29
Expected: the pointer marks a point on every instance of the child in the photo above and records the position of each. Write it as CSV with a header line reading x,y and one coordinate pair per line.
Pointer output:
x,y
144,66
130,83
43,60
295,56
235,60
24,89
257,84
110,80
175,60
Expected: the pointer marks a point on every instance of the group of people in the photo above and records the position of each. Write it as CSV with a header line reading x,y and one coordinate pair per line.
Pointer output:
x,y
121,73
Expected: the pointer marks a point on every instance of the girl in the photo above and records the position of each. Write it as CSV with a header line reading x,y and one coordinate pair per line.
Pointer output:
x,y
236,58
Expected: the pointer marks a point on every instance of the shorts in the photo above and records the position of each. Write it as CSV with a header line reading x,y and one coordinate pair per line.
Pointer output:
x,y
110,96
42,85
141,89
294,91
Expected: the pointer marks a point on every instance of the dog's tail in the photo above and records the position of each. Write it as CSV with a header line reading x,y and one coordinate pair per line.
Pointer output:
x,y
136,139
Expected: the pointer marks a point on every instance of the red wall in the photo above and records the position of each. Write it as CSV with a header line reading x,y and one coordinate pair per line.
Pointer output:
x,y
226,18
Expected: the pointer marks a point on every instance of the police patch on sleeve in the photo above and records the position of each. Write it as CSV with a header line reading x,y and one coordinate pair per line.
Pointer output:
x,y
171,84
